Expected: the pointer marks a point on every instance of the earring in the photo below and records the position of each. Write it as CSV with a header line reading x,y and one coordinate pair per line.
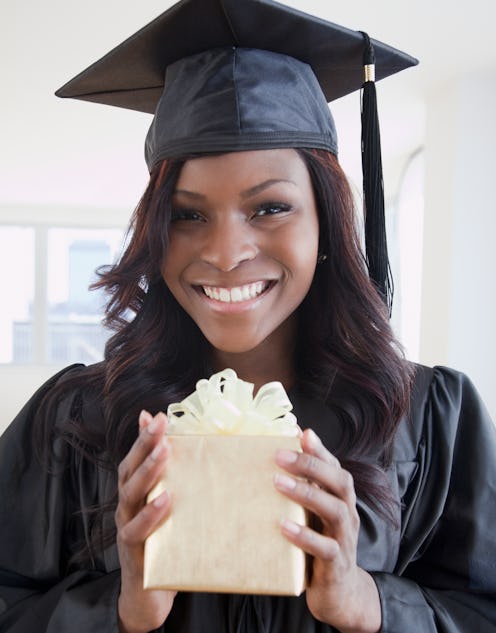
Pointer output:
x,y
321,258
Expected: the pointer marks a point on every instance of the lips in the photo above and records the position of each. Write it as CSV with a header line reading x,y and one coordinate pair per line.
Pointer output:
x,y
236,294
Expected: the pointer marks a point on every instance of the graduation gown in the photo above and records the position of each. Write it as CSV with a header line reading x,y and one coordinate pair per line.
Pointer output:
x,y
436,572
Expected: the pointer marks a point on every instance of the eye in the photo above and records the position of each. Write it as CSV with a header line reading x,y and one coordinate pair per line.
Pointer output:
x,y
272,208
186,215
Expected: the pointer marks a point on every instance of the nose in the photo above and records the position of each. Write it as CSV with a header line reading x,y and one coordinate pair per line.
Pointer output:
x,y
228,242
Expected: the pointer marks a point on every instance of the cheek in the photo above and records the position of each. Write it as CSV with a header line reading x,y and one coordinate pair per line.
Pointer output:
x,y
307,267
298,257
305,248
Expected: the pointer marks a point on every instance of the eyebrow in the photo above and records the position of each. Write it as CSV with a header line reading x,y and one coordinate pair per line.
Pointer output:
x,y
244,194
263,185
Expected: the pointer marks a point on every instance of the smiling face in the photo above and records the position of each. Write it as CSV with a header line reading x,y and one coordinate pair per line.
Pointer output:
x,y
243,242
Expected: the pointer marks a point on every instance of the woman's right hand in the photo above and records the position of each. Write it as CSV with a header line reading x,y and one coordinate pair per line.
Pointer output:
x,y
141,610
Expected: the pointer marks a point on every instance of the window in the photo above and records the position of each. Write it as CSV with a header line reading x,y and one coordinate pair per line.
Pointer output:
x,y
50,315
17,263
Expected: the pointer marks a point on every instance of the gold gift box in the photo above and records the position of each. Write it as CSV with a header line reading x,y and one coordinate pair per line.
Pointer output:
x,y
223,533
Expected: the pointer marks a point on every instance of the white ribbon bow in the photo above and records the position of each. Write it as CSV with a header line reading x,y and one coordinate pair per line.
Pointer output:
x,y
224,404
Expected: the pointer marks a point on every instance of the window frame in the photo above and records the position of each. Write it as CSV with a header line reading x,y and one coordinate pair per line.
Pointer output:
x,y
42,220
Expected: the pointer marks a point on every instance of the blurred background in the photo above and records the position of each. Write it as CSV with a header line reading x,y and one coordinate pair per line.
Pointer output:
x,y
72,172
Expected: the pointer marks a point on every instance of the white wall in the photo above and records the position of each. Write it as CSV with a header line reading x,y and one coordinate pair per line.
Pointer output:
x,y
459,288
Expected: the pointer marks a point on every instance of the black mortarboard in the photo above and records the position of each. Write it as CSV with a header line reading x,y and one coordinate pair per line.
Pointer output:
x,y
232,75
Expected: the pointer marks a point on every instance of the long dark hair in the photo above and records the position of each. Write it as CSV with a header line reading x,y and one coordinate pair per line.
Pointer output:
x,y
346,352
347,349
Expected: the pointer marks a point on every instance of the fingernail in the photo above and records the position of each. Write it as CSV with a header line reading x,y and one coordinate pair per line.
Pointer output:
x,y
283,482
161,500
144,418
162,416
285,457
290,526
313,438
153,427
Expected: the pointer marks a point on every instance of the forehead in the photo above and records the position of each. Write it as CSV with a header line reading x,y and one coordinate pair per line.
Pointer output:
x,y
246,168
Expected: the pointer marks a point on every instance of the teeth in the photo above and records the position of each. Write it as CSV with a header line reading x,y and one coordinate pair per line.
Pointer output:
x,y
224,295
234,295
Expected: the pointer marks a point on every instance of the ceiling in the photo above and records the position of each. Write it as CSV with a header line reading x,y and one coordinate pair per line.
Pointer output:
x,y
71,154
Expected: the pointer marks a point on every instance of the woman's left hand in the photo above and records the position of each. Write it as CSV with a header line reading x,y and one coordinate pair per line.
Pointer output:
x,y
339,592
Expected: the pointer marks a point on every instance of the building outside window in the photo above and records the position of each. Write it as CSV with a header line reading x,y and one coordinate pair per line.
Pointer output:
x,y
50,316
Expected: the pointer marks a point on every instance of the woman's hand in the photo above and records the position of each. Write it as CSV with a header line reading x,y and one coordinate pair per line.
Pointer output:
x,y
141,611
339,592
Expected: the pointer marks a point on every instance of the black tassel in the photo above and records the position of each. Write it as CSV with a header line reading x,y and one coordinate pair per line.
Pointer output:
x,y
373,186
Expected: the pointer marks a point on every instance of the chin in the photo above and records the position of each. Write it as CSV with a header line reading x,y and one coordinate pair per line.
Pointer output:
x,y
236,343
234,347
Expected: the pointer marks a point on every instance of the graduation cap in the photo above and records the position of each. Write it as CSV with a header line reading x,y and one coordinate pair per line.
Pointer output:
x,y
234,75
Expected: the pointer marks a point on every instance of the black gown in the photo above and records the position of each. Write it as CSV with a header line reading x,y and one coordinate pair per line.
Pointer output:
x,y
437,572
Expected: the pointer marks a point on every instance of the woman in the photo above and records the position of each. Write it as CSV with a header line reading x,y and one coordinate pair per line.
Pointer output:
x,y
250,259
250,219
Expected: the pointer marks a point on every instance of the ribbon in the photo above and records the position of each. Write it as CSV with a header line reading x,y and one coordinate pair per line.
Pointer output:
x,y
224,404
